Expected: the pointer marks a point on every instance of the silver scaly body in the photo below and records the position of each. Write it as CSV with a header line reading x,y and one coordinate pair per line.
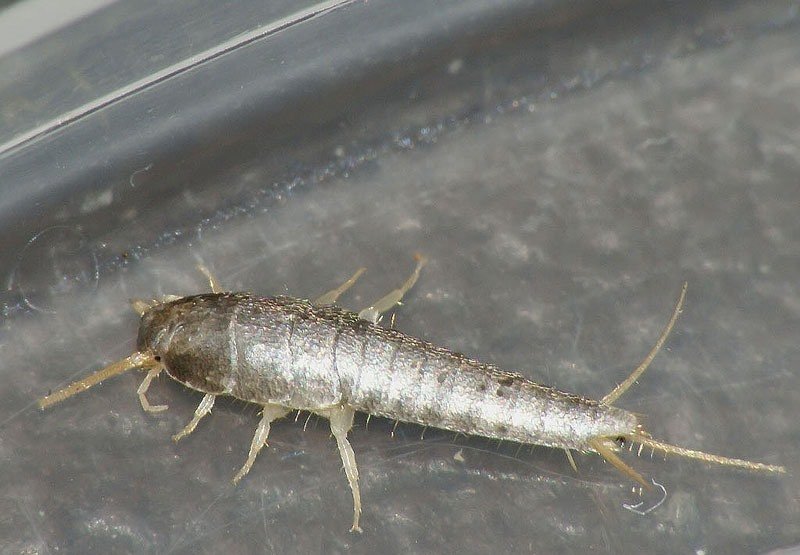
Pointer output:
x,y
289,352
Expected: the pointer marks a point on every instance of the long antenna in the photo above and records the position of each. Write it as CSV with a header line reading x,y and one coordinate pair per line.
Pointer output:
x,y
136,360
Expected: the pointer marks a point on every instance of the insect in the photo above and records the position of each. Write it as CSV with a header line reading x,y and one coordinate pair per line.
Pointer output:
x,y
287,354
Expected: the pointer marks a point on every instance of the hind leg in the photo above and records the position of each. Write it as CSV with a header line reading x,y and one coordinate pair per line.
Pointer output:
x,y
341,419
373,312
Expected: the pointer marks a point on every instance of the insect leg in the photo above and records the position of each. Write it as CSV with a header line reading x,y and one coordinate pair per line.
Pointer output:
x,y
202,409
331,296
141,306
571,460
212,281
268,414
341,419
373,312
152,373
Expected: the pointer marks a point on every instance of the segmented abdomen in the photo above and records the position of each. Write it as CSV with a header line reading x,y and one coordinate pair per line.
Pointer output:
x,y
287,351
411,380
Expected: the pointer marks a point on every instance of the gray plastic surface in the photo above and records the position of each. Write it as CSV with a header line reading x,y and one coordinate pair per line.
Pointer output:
x,y
565,166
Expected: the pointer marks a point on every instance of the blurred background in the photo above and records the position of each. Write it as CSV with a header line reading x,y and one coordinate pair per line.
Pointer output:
x,y
565,166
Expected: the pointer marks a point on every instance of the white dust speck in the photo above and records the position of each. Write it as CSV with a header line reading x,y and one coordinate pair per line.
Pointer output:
x,y
455,66
95,200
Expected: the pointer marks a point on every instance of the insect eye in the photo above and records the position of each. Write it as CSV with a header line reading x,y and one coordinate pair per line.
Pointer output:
x,y
157,358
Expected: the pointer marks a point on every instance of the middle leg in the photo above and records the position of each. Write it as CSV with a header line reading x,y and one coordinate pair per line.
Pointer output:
x,y
203,409
333,295
373,312
270,413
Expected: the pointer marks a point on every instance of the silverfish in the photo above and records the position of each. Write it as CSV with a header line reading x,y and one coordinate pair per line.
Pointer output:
x,y
288,354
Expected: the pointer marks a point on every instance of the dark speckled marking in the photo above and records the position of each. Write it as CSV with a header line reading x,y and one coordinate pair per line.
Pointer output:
x,y
506,380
